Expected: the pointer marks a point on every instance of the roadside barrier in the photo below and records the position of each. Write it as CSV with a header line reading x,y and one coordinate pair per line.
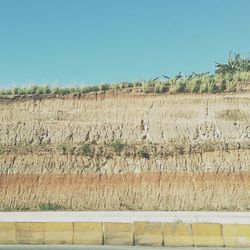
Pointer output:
x,y
127,234
88,233
115,233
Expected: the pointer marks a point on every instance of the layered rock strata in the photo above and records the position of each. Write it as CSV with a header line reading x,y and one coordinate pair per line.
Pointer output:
x,y
125,151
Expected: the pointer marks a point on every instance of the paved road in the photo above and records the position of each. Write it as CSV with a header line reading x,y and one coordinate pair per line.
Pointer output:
x,y
28,247
128,216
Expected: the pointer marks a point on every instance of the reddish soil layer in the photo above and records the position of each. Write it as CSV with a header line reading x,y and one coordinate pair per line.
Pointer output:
x,y
144,191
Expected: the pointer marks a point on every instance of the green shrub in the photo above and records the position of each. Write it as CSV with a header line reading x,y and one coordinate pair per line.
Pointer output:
x,y
137,84
241,76
231,87
22,208
33,89
93,89
195,85
50,206
204,87
64,91
180,86
212,88
46,90
93,142
125,85
118,146
63,148
160,87
87,149
104,86
223,85
54,90
144,153
15,91
148,86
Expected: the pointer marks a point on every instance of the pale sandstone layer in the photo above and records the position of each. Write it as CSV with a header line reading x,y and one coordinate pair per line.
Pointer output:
x,y
127,117
182,152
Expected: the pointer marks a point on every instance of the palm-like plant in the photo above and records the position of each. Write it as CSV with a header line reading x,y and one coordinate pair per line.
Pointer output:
x,y
234,64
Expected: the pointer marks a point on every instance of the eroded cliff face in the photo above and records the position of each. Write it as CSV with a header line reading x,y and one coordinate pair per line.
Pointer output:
x,y
124,151
127,117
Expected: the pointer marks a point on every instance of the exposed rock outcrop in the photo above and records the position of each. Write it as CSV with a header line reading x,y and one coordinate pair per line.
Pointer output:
x,y
126,151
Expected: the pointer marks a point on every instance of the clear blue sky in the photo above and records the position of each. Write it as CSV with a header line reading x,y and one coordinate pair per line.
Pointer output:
x,y
93,41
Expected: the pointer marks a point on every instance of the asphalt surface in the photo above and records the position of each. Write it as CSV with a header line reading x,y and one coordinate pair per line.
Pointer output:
x,y
128,216
29,247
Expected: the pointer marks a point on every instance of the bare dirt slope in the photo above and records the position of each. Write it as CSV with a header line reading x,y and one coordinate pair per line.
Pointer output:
x,y
126,151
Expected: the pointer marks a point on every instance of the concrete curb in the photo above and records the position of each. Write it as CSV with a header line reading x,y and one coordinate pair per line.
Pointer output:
x,y
127,234
128,216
